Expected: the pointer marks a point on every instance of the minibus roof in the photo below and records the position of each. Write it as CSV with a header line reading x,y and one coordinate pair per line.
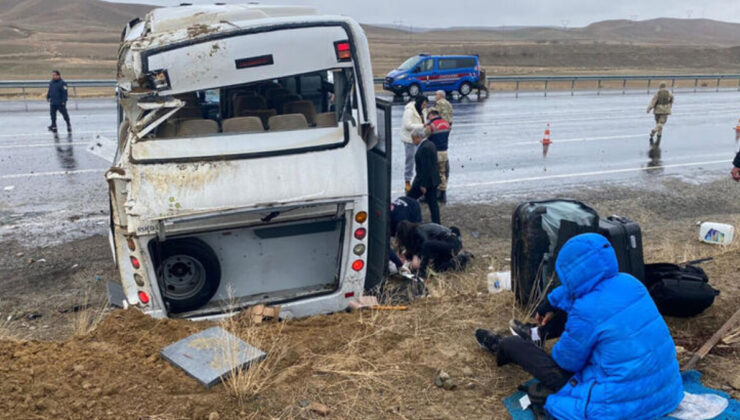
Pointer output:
x,y
168,19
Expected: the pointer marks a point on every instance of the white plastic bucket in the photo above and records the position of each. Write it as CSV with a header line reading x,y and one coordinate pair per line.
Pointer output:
x,y
499,281
716,233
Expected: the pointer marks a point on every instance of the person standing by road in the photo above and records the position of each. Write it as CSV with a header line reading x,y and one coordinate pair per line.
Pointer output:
x,y
661,105
57,98
413,118
443,106
427,173
736,167
438,132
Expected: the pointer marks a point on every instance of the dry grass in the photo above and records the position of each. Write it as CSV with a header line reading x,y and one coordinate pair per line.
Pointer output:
x,y
246,382
89,316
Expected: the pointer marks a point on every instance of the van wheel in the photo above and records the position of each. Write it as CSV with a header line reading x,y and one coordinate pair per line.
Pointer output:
x,y
414,90
465,89
189,273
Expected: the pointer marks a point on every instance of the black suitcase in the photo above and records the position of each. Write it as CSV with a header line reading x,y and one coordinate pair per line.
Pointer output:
x,y
626,238
679,291
533,251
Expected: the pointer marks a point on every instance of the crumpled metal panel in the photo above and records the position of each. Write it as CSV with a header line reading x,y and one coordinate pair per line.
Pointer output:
x,y
167,190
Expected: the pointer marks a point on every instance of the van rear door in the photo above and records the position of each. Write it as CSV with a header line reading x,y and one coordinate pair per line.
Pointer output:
x,y
379,190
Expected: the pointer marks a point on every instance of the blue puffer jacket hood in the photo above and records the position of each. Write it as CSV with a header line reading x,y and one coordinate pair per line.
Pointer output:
x,y
615,341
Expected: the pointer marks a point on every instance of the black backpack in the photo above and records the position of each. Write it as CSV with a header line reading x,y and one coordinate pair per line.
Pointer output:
x,y
679,291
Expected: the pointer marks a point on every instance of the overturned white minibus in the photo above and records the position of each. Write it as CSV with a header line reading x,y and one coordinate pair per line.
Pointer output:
x,y
253,163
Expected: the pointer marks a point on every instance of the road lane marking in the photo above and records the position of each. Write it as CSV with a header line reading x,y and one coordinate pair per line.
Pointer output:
x,y
55,173
592,173
582,139
24,146
42,133
582,174
55,223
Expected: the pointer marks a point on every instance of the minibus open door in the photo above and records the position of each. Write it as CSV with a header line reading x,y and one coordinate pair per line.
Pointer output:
x,y
379,188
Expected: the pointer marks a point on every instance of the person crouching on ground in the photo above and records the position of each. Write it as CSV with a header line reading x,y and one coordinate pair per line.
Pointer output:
x,y
736,167
616,358
413,118
438,132
431,244
402,209
427,177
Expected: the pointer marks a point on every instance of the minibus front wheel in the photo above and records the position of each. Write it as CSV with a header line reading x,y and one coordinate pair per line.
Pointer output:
x,y
414,90
465,89
189,274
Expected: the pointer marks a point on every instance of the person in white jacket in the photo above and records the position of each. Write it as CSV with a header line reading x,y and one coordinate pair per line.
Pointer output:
x,y
413,118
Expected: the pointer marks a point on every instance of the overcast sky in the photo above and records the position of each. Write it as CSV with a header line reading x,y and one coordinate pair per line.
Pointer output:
x,y
446,13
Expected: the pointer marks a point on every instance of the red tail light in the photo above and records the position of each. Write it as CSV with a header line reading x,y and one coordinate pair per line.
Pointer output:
x,y
143,297
135,262
360,233
349,295
344,53
358,265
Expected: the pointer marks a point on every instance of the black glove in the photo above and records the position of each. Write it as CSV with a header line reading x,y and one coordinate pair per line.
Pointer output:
x,y
545,307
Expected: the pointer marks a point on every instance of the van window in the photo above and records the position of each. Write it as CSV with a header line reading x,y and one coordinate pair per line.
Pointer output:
x,y
409,64
456,63
427,65
300,102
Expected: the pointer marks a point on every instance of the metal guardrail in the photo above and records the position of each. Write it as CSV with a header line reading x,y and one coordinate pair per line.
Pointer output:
x,y
42,84
490,80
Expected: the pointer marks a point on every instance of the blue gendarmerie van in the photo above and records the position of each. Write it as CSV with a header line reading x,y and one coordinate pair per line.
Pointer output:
x,y
427,73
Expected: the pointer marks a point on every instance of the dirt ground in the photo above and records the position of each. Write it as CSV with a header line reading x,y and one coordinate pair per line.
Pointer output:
x,y
71,359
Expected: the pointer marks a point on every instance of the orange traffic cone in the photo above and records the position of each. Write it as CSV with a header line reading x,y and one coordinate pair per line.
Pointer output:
x,y
546,139
737,128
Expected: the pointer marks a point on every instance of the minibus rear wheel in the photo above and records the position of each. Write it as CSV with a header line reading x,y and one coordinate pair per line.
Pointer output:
x,y
189,274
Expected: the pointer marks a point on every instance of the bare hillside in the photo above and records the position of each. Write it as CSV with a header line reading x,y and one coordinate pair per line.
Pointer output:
x,y
655,31
80,38
68,15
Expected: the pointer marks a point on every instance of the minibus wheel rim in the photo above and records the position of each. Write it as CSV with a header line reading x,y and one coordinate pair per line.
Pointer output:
x,y
183,277
465,89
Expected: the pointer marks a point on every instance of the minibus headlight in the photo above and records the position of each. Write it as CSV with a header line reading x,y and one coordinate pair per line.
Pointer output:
x,y
361,217
359,249
159,79
360,233
342,48
143,297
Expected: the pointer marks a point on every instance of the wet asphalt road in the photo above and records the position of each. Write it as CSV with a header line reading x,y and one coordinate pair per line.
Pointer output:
x,y
52,188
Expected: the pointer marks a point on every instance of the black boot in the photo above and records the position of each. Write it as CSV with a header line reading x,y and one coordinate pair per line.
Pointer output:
x,y
487,340
52,128
69,127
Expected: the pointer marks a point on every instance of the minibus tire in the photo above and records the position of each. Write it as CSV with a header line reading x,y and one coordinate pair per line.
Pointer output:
x,y
193,275
465,89
414,88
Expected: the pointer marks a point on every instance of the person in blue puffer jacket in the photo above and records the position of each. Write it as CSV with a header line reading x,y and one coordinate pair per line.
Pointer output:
x,y
616,358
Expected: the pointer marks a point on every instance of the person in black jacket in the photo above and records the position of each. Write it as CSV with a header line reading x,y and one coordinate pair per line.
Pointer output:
x,y
57,98
431,243
427,177
736,167
402,209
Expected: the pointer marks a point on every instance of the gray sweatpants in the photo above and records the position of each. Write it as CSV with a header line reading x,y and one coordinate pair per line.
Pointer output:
x,y
408,172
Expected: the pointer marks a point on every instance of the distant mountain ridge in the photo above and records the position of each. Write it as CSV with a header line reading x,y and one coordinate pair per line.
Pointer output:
x,y
83,15
68,15
653,31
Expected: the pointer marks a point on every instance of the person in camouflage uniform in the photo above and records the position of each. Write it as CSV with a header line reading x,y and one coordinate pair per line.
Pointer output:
x,y
661,105
443,106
